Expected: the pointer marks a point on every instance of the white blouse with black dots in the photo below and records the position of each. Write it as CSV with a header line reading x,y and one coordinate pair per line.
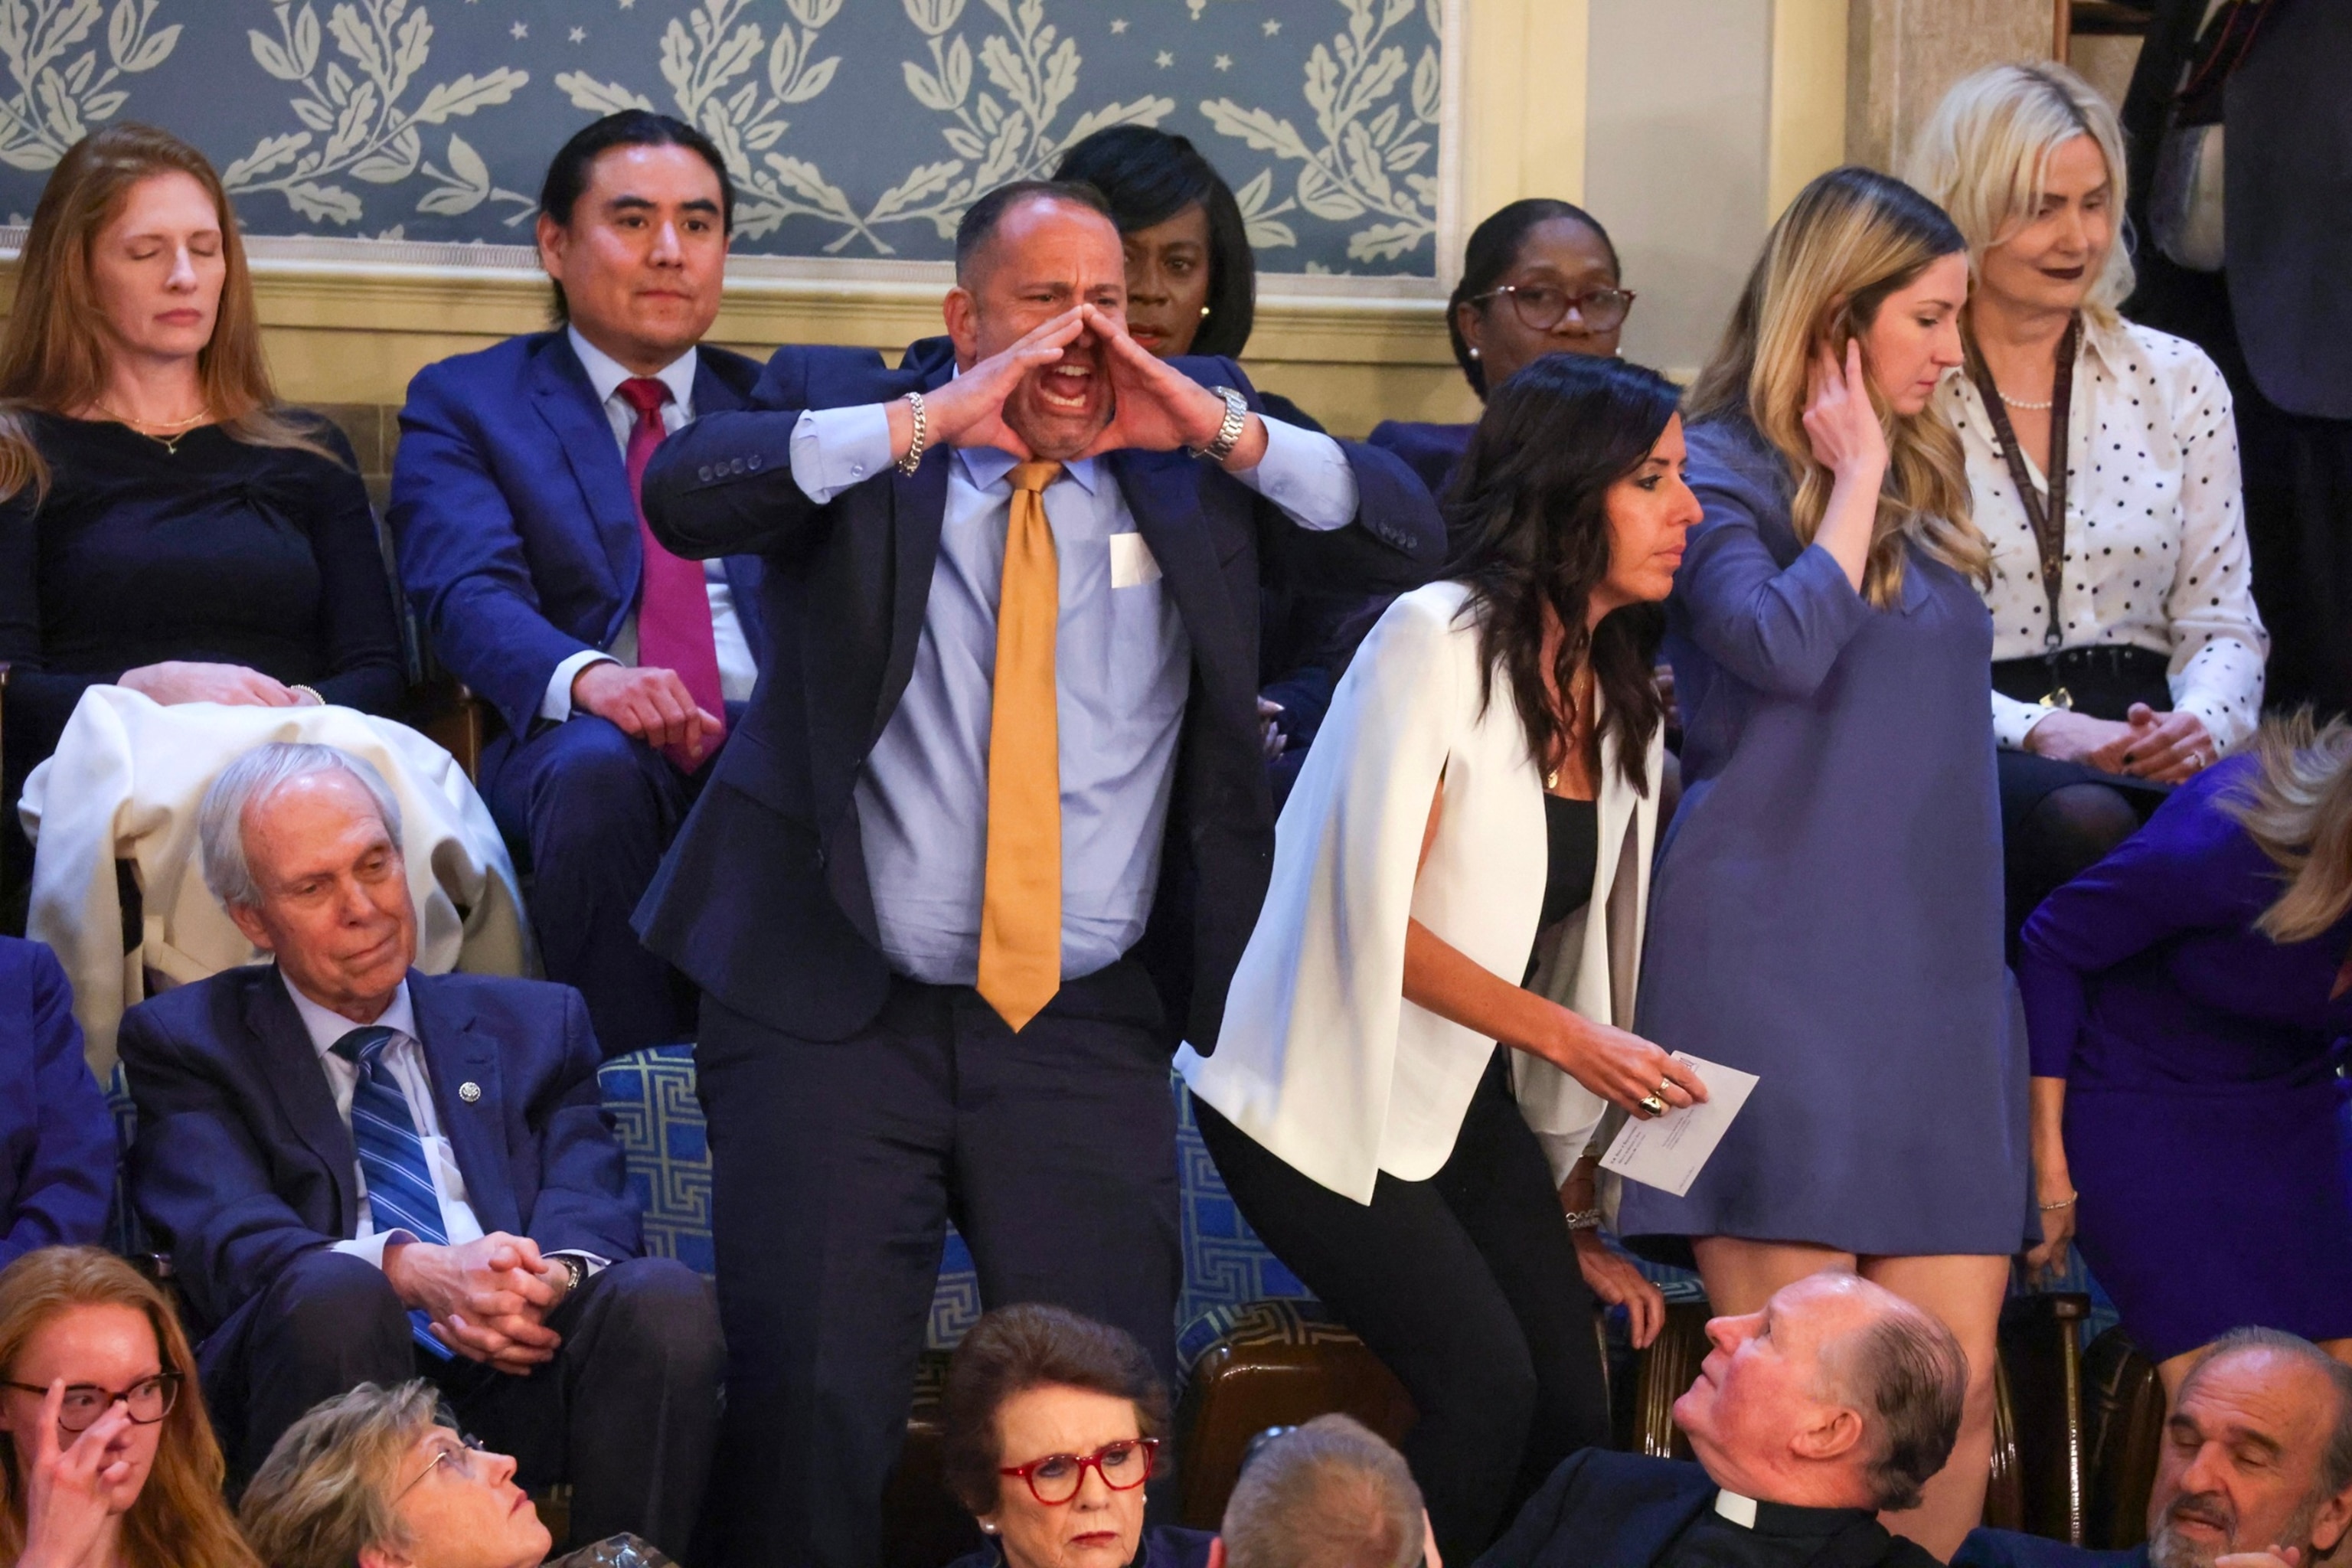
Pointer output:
x,y
2155,529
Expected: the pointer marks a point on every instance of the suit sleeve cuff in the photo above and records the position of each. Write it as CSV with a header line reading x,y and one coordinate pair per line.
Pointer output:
x,y
557,703
371,1247
833,448
588,1260
1306,474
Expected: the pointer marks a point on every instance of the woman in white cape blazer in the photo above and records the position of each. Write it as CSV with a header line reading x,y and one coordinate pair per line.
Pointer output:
x,y
1320,1059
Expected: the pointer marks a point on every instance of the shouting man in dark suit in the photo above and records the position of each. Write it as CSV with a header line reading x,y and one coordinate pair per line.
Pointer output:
x,y
610,664
2255,1471
363,1173
1834,1403
993,834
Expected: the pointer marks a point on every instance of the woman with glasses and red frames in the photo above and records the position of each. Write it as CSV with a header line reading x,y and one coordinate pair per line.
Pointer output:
x,y
109,1462
1539,277
1054,1423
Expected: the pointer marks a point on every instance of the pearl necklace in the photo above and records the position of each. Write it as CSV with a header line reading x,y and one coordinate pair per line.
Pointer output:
x,y
2043,407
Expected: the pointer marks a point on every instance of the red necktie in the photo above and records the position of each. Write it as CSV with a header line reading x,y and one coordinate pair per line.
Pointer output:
x,y
672,601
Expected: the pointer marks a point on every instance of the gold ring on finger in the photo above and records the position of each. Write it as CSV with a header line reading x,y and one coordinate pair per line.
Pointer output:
x,y
1653,1105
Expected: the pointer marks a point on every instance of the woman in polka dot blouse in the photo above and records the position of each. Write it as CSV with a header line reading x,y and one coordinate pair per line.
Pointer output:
x,y
2149,667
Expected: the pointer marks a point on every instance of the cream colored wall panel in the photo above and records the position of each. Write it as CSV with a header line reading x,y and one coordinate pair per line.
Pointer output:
x,y
1675,161
1809,89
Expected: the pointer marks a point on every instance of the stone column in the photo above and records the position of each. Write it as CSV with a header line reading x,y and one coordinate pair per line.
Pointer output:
x,y
1902,54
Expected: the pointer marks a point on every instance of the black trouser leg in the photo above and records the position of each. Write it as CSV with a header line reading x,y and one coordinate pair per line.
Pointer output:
x,y
829,1209
328,1323
627,1411
1466,1287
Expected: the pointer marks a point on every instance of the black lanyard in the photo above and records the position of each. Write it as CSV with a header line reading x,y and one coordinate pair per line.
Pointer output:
x,y
2049,520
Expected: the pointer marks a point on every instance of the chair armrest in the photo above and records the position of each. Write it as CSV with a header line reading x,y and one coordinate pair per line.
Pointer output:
x,y
452,718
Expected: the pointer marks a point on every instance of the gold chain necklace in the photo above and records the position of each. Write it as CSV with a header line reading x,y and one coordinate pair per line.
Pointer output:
x,y
181,428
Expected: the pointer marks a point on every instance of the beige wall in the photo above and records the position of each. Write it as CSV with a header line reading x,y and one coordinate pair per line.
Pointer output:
x,y
1903,54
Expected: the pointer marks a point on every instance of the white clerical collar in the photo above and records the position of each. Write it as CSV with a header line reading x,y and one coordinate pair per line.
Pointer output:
x,y
1740,1511
605,374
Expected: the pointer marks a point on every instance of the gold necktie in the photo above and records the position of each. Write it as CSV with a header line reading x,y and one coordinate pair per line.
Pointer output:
x,y
1021,901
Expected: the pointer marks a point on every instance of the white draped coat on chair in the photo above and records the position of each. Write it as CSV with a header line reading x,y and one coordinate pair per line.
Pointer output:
x,y
1321,1060
124,784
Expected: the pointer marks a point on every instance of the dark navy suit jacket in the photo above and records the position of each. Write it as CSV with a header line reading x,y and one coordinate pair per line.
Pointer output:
x,y
242,1163
2008,1549
517,537
763,900
1605,1510
56,1136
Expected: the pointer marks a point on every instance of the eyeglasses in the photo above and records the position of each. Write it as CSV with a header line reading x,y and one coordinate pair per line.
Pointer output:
x,y
1543,306
150,1399
1055,1479
464,1454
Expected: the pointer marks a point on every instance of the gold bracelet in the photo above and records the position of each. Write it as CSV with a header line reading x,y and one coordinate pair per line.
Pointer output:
x,y
2065,1202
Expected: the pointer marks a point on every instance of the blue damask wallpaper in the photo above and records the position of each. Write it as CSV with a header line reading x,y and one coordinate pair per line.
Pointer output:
x,y
853,128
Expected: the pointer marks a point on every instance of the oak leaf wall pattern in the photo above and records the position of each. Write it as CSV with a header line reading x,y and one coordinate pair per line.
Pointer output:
x,y
852,128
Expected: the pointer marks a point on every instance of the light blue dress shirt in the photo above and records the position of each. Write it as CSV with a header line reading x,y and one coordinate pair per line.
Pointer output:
x,y
1121,664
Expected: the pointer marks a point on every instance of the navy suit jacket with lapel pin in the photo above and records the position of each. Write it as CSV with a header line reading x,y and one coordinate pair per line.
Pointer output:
x,y
763,900
517,537
242,1161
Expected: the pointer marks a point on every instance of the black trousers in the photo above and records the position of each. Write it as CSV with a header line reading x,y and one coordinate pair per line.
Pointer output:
x,y
836,1165
1466,1287
588,810
628,1411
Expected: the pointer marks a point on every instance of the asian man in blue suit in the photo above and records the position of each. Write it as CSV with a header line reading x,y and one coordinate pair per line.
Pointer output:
x,y
57,1137
610,664
990,837
364,1173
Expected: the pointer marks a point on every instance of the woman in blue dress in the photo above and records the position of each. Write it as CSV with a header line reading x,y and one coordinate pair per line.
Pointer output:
x,y
1827,913
2187,997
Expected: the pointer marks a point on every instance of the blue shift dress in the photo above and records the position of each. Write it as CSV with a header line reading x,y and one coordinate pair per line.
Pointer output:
x,y
1826,912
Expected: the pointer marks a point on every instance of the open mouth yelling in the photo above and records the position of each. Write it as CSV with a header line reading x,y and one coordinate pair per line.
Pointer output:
x,y
1066,388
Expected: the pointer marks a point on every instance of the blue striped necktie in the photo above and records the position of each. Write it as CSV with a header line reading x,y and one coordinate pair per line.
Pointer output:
x,y
400,1191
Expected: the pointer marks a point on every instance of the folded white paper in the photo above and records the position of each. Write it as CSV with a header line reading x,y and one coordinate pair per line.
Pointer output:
x,y
1668,1152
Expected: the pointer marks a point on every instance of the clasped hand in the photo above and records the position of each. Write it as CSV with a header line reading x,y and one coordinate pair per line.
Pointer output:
x,y
488,1300
2163,748
1154,407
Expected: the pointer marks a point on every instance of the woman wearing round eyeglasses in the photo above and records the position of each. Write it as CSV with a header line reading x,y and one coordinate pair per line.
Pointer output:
x,y
110,1461
1539,277
1053,1424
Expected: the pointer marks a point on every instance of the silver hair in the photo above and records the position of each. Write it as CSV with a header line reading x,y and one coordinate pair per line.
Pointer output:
x,y
1329,1494
252,778
1907,1376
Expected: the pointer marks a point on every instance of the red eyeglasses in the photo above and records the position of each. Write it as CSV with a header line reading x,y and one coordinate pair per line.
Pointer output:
x,y
1055,1479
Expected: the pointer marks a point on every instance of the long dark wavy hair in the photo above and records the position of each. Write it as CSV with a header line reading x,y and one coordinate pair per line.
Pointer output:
x,y
1526,513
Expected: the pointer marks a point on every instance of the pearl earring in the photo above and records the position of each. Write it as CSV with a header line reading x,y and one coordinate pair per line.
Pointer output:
x,y
988,1529
1204,310
1474,351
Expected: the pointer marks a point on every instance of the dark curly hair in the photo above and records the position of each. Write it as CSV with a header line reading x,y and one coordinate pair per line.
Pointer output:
x,y
1526,513
1015,1349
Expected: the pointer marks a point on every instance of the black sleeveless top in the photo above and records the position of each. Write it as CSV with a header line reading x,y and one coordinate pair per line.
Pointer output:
x,y
1572,850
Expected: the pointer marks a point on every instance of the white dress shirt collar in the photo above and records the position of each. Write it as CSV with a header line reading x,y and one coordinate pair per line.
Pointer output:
x,y
605,374
326,1025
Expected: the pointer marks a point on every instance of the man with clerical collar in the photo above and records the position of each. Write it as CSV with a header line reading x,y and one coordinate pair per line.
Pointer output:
x,y
1833,1406
2255,1471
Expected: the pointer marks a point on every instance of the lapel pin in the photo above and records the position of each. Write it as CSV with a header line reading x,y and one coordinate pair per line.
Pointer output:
x,y
469,1093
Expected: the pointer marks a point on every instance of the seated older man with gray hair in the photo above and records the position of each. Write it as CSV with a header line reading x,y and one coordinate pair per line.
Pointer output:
x,y
1329,1494
364,1172
2255,1471
1836,1402
379,1479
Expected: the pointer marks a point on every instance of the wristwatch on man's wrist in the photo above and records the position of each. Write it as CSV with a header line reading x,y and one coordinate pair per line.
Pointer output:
x,y
573,1267
1229,434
